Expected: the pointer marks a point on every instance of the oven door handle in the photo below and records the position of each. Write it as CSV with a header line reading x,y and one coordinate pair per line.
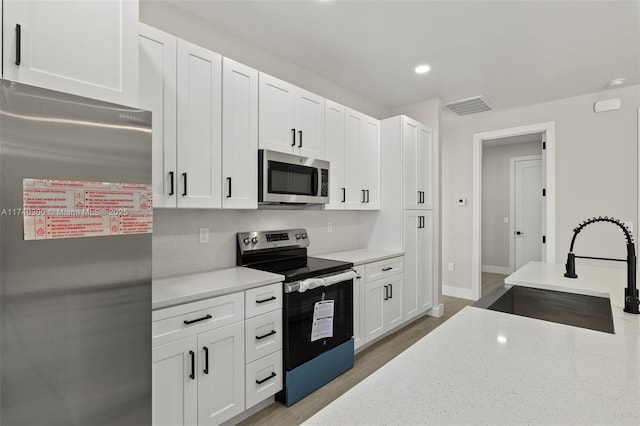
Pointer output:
x,y
304,285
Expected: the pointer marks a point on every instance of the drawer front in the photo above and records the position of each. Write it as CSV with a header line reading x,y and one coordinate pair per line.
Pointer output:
x,y
192,318
261,300
384,268
263,335
263,378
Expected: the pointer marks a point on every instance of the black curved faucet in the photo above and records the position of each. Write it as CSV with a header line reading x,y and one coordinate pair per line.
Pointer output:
x,y
631,301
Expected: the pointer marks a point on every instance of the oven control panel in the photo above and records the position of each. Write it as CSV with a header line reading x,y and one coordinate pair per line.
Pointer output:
x,y
261,240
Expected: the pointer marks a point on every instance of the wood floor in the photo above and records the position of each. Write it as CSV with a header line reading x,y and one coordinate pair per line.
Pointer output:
x,y
366,362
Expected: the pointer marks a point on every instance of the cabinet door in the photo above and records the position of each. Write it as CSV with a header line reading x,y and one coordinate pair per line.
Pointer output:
x,y
158,95
239,136
335,154
375,302
425,262
393,309
370,163
352,179
199,133
358,306
411,164
425,170
276,115
174,389
85,48
220,373
309,124
418,282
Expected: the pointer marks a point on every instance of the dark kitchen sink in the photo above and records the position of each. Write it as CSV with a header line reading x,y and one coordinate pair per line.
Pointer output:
x,y
578,310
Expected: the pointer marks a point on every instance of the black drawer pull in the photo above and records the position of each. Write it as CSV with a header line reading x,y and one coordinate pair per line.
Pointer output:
x,y
198,320
18,44
388,268
266,300
268,378
193,365
172,189
271,333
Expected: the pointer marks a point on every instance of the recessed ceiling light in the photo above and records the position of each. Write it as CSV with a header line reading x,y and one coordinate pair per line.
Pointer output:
x,y
616,82
421,69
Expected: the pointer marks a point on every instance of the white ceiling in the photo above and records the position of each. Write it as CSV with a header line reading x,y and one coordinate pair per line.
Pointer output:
x,y
513,52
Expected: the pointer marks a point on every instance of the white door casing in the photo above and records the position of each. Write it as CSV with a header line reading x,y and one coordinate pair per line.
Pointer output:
x,y
526,210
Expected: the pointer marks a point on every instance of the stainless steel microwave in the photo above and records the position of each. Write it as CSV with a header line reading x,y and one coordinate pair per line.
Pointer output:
x,y
291,179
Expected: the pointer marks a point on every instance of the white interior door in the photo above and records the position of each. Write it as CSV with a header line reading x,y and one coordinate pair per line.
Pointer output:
x,y
528,211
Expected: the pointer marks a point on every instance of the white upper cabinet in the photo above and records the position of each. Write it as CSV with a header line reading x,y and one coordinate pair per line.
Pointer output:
x,y
291,119
86,48
158,95
416,151
362,161
335,154
199,89
239,135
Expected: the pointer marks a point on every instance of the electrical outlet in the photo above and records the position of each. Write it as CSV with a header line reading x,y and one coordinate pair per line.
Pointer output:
x,y
204,235
451,266
329,227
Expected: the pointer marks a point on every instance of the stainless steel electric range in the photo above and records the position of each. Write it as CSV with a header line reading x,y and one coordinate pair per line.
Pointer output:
x,y
317,308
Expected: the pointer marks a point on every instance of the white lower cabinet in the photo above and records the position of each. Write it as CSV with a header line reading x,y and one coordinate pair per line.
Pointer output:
x,y
210,363
383,297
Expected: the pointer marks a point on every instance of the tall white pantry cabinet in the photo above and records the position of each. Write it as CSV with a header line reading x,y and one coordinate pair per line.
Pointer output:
x,y
405,221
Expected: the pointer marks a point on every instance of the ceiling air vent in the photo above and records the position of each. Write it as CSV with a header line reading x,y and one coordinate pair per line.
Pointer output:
x,y
469,105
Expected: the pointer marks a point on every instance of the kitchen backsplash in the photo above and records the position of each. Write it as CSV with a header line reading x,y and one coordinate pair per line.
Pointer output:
x,y
176,247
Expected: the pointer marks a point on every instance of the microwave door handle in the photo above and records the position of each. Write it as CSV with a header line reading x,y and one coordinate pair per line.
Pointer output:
x,y
315,182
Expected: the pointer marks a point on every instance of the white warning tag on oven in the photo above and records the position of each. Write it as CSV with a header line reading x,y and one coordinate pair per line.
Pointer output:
x,y
322,326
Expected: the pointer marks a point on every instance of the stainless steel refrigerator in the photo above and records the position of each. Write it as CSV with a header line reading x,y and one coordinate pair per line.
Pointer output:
x,y
75,335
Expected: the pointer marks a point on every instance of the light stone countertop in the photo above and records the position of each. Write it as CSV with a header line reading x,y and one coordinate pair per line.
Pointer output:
x,y
486,367
361,256
182,289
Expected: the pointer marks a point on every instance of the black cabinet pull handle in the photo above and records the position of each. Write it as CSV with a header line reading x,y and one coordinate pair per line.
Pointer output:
x,y
422,197
206,360
172,188
184,192
388,268
229,193
390,291
198,320
273,374
386,293
271,333
344,194
367,195
299,138
293,136
363,196
18,43
266,300
193,365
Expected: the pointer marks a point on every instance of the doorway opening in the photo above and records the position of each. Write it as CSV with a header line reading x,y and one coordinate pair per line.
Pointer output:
x,y
543,135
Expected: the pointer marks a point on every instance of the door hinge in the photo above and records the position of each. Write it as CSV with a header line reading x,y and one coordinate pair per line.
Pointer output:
x,y
544,145
544,239
544,192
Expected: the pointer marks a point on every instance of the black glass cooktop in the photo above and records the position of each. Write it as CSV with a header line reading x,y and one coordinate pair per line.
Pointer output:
x,y
296,269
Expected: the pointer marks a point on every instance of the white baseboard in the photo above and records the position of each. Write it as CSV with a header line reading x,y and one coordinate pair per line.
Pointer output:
x,y
463,293
436,311
496,269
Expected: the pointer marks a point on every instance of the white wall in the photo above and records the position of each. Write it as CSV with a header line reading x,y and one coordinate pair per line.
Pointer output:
x,y
495,199
596,173
175,21
176,247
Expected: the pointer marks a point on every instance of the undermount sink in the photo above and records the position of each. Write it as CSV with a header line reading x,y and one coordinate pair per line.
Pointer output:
x,y
578,310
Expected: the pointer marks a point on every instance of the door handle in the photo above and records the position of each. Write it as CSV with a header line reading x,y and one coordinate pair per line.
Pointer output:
x,y
184,191
193,365
386,293
344,195
206,360
271,333
519,233
363,196
367,195
390,291
18,44
299,138
293,136
273,374
229,193
172,187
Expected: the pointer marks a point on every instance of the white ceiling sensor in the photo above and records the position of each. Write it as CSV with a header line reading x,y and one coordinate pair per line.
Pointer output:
x,y
470,105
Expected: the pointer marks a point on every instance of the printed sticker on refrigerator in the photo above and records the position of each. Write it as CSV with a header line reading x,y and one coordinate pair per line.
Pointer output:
x,y
322,326
73,209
